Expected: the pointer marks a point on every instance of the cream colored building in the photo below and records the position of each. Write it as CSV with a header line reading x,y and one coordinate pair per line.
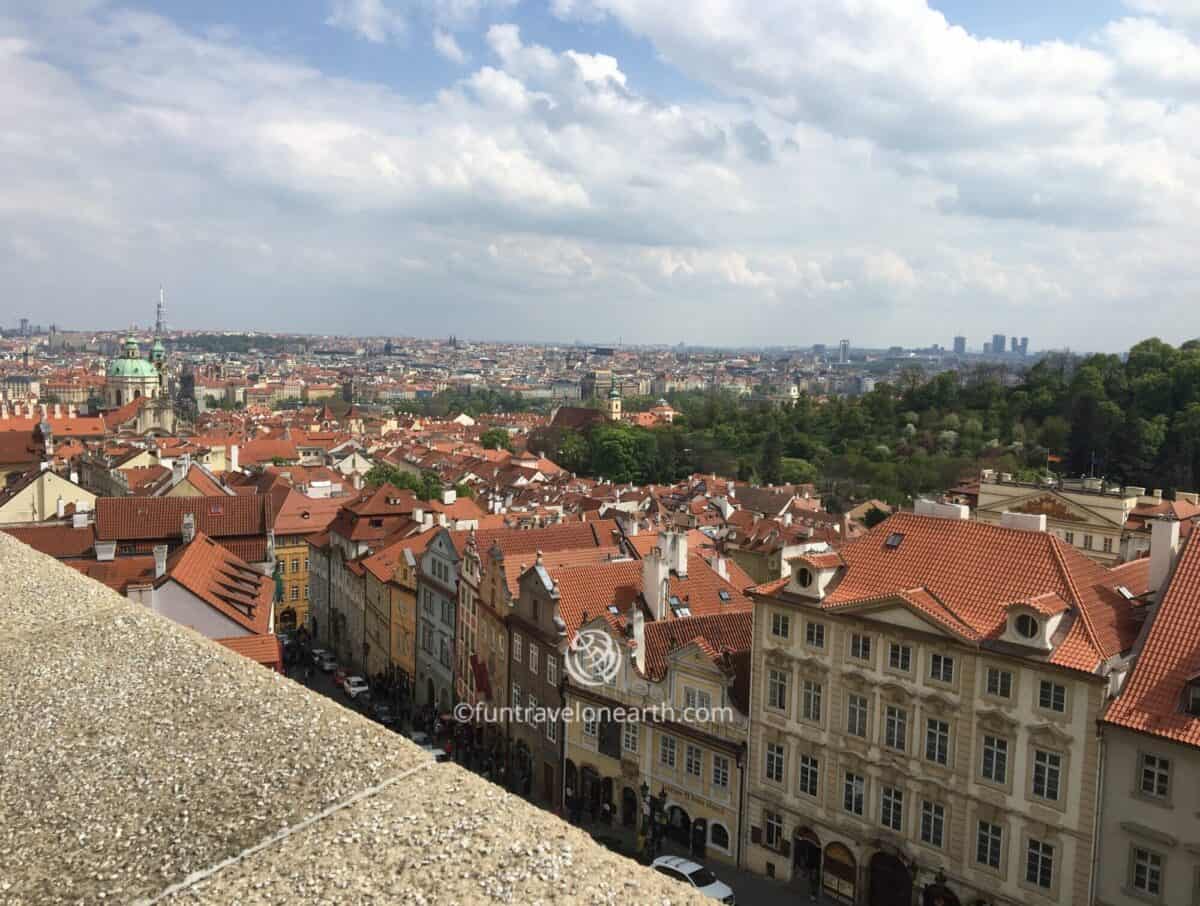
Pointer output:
x,y
924,705
1150,816
43,496
1086,513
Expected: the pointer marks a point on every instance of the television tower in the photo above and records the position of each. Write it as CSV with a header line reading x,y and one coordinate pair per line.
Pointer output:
x,y
160,320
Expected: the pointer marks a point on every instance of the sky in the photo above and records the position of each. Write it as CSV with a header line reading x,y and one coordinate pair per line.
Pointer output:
x,y
640,171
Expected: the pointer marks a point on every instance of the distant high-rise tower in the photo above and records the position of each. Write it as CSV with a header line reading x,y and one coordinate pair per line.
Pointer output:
x,y
844,352
1024,348
160,319
1013,345
960,345
998,343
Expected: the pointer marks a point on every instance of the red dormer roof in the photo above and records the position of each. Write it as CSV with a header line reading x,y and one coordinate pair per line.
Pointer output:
x,y
1152,698
223,580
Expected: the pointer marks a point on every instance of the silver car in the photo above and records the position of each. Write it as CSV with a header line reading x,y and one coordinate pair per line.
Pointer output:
x,y
695,875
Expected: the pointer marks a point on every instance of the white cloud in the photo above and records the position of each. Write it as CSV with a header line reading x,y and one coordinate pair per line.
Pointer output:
x,y
445,44
1186,11
891,190
388,20
373,20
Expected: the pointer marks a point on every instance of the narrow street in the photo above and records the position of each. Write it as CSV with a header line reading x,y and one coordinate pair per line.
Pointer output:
x,y
750,889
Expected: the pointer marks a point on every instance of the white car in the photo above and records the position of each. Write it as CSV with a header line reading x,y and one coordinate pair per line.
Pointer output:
x,y
356,686
696,875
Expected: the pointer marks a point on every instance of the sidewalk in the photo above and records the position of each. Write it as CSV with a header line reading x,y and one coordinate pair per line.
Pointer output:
x,y
750,889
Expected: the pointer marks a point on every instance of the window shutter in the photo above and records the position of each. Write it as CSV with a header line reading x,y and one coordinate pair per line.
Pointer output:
x,y
756,835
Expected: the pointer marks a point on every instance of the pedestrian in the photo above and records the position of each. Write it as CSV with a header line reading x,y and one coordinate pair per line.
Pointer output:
x,y
814,883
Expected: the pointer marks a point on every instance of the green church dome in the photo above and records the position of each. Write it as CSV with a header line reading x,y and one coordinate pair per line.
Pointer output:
x,y
131,368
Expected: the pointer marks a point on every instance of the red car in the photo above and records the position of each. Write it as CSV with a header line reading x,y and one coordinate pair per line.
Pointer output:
x,y
339,677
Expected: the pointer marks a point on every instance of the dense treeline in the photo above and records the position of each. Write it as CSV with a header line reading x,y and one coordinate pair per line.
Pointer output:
x,y
1135,420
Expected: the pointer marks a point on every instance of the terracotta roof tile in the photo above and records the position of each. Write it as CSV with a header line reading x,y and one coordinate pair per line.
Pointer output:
x,y
60,541
1152,698
225,581
264,649
140,518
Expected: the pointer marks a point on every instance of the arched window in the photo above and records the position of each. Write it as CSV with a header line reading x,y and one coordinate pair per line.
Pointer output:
x,y
718,836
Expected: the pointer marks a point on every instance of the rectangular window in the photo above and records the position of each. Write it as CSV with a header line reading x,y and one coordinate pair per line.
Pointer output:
x,y
1087,542
552,730
933,823
516,698
854,793
696,699
1052,696
774,825
809,775
591,728
860,647
900,657
295,592
856,715
937,741
1156,776
995,759
811,705
987,845
1069,537
1039,864
693,760
1047,773
777,683
774,766
666,750
941,668
999,682
1147,871
814,634
781,625
552,670
895,728
516,648
891,808
295,564
720,774
533,658
1108,545
629,738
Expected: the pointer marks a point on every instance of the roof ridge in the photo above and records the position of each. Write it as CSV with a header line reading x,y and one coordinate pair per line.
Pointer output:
x,y
1078,598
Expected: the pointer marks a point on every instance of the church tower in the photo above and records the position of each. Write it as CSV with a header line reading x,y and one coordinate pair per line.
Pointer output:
x,y
614,402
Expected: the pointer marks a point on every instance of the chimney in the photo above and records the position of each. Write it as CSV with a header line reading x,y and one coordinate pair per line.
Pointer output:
x,y
178,469
60,508
656,584
449,496
722,567
160,560
105,550
1164,545
233,458
1026,522
57,410
189,527
639,639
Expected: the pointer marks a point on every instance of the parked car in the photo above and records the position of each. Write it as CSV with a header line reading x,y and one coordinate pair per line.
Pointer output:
x,y
327,662
383,713
339,677
696,875
318,654
354,686
420,738
436,754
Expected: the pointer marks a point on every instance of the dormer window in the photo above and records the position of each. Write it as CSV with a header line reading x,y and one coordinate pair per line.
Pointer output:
x,y
1026,626
804,577
1191,693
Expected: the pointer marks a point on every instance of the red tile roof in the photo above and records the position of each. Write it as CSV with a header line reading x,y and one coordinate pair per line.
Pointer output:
x,y
264,649
964,575
300,515
719,635
60,541
142,518
224,581
1152,698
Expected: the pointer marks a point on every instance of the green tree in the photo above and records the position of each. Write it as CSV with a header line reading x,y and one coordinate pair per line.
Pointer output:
x,y
496,439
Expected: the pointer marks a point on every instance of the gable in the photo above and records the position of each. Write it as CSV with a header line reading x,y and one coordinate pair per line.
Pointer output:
x,y
898,614
1048,502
